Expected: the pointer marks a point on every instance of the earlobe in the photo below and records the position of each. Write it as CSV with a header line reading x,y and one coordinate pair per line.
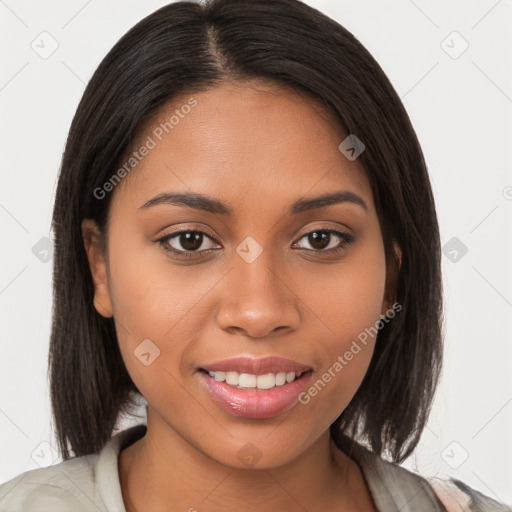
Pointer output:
x,y
95,250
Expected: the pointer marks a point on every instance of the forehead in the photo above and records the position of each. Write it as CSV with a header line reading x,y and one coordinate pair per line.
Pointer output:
x,y
247,143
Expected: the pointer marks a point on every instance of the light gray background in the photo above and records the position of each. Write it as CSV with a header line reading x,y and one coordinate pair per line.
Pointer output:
x,y
461,110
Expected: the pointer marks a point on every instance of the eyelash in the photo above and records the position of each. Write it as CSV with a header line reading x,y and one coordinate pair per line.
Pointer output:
x,y
345,237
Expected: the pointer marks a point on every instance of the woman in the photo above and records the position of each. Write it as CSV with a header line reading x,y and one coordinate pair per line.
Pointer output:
x,y
245,236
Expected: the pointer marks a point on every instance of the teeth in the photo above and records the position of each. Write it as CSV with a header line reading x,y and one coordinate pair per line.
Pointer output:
x,y
280,379
248,380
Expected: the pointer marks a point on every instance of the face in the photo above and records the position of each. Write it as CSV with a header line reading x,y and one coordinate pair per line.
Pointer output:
x,y
190,287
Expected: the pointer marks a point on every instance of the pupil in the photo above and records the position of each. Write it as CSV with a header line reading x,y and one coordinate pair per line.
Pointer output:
x,y
322,239
191,241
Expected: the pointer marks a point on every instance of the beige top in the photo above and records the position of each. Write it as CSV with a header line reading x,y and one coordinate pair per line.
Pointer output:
x,y
91,483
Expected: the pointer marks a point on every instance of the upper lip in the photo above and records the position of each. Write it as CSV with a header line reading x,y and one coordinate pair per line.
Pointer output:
x,y
259,366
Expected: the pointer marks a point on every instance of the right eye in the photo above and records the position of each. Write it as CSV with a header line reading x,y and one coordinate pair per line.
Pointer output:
x,y
189,240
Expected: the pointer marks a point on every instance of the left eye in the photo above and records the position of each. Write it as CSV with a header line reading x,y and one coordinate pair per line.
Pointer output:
x,y
322,238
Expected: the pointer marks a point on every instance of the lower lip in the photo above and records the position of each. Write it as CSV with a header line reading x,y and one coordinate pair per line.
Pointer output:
x,y
256,403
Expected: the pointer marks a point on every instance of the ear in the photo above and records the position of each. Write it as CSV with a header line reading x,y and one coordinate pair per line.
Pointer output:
x,y
96,255
392,269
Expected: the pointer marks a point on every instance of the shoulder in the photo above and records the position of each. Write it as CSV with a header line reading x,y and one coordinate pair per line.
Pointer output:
x,y
459,497
447,494
82,484
395,487
62,487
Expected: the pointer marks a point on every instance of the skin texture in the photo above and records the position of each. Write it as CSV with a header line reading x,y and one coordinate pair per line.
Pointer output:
x,y
257,148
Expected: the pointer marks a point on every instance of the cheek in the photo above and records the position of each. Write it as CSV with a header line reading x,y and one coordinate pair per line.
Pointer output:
x,y
149,294
348,298
347,305
157,301
161,311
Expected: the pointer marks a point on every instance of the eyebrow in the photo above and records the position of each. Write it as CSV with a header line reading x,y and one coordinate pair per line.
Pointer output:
x,y
209,204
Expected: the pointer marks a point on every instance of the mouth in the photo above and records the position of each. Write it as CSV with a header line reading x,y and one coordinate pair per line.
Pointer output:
x,y
255,388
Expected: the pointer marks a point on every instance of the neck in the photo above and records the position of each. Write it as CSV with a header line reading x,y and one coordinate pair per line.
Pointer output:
x,y
163,468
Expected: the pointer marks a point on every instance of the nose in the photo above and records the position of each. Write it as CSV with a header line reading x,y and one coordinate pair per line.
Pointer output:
x,y
257,300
